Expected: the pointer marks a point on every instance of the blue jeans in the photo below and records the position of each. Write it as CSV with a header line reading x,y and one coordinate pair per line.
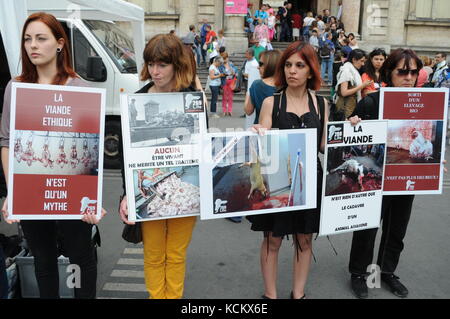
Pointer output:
x,y
3,276
215,90
327,68
198,53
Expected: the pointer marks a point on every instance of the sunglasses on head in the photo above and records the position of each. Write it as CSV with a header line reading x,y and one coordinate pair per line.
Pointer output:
x,y
405,72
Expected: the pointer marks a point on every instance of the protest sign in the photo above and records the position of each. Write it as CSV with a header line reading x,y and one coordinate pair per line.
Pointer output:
x,y
161,142
56,151
243,173
415,140
353,177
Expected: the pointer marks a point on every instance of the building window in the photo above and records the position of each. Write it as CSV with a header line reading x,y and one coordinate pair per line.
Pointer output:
x,y
433,9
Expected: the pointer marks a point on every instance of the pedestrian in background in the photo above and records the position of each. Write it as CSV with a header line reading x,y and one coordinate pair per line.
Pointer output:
x,y
307,22
327,51
230,79
349,83
296,25
215,82
166,240
251,73
46,59
264,87
372,71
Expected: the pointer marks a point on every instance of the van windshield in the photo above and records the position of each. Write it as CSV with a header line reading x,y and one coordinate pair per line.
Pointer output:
x,y
117,44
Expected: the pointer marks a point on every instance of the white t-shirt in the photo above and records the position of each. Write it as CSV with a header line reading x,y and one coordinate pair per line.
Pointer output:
x,y
321,25
271,22
214,52
308,21
215,82
251,68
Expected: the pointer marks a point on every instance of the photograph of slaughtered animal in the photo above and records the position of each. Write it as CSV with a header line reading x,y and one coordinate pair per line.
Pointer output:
x,y
166,192
260,173
56,153
353,169
163,119
414,141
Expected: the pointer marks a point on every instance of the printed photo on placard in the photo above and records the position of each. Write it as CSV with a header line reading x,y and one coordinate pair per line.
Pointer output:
x,y
353,179
167,191
164,119
416,139
56,153
162,149
252,174
411,142
352,169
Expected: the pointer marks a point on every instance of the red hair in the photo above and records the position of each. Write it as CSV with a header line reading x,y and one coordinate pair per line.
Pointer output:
x,y
309,55
63,59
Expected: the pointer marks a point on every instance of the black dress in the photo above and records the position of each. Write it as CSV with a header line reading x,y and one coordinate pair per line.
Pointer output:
x,y
300,221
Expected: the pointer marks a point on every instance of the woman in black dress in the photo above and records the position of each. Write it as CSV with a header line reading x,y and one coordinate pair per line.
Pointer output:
x,y
294,106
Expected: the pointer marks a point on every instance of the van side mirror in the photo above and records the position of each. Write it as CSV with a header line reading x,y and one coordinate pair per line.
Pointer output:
x,y
96,70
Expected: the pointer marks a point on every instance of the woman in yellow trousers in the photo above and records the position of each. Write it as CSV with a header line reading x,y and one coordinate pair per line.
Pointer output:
x,y
165,241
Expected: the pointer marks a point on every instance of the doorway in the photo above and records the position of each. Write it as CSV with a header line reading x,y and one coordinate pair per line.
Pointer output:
x,y
303,6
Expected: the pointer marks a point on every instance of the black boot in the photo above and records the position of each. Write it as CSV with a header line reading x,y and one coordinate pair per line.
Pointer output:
x,y
393,282
359,286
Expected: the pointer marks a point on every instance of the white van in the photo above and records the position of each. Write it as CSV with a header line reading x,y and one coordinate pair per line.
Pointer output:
x,y
102,54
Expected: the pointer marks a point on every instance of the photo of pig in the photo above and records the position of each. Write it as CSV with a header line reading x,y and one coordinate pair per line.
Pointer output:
x,y
411,142
353,169
166,192
245,179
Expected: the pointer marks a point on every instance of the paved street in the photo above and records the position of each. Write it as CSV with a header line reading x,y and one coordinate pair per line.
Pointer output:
x,y
223,258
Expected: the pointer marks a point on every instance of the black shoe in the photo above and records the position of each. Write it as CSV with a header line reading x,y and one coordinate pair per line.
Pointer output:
x,y
242,116
359,286
236,220
292,296
264,297
397,288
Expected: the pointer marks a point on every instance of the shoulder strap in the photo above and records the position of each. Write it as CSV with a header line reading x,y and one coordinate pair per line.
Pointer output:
x,y
276,108
321,102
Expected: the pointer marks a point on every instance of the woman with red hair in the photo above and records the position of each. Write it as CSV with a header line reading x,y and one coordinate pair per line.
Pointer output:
x,y
45,56
293,106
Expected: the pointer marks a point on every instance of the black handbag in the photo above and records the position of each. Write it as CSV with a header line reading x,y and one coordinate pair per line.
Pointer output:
x,y
132,233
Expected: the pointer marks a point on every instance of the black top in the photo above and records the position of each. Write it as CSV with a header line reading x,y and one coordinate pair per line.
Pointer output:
x,y
368,108
301,221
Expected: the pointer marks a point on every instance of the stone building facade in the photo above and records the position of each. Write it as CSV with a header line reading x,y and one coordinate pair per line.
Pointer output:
x,y
423,25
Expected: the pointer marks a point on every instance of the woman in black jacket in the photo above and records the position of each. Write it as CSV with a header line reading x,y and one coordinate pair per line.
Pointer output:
x,y
401,69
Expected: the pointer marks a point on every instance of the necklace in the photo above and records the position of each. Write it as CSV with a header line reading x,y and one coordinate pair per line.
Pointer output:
x,y
298,106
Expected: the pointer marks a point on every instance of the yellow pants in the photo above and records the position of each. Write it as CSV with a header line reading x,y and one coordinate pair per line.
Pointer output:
x,y
165,246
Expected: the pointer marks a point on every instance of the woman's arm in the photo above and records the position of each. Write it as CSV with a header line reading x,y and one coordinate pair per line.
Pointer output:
x,y
265,116
248,106
345,91
324,131
212,76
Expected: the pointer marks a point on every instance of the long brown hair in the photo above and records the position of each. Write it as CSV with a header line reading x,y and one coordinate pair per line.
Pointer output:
x,y
63,59
169,49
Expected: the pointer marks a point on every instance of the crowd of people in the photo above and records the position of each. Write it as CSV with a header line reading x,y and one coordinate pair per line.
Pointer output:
x,y
281,95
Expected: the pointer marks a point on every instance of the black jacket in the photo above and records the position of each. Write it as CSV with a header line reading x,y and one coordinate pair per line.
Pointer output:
x,y
368,108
